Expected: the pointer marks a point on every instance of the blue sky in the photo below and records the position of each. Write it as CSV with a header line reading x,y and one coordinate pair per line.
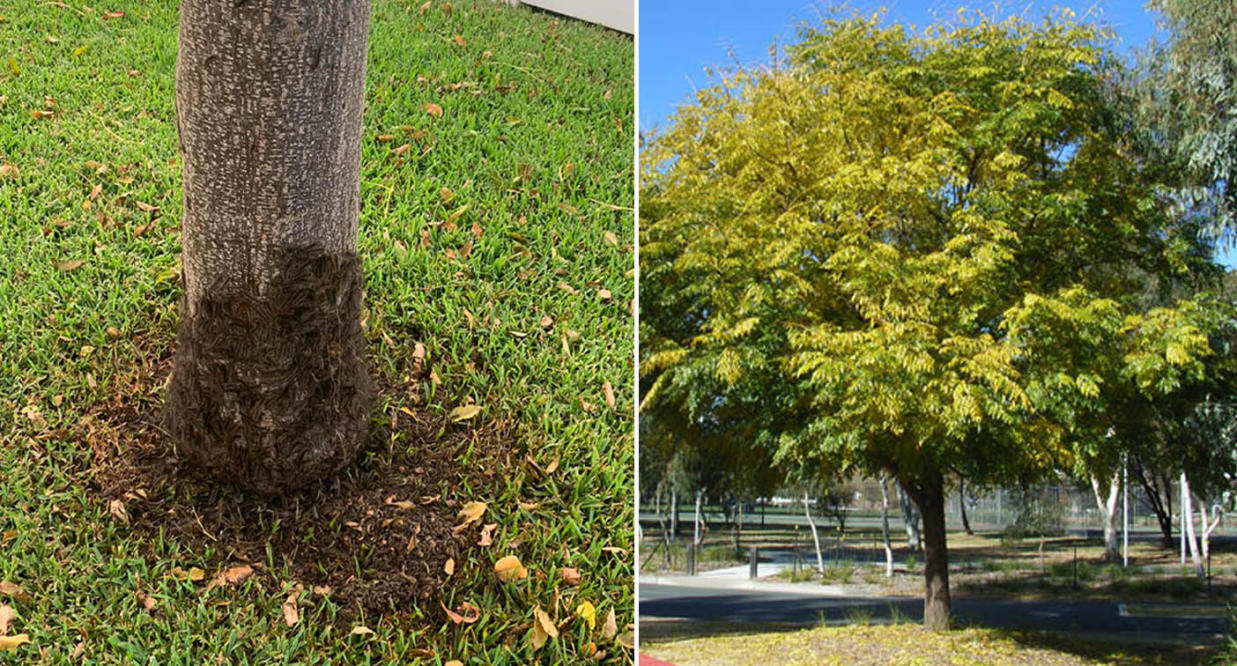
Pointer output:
x,y
679,39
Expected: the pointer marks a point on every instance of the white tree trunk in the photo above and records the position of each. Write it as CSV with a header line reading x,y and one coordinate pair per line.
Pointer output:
x,y
696,536
885,528
807,510
1188,513
1208,527
674,514
1107,503
910,519
269,388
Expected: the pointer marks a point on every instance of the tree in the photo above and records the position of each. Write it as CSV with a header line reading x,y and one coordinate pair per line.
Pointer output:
x,y
270,389
1189,114
904,227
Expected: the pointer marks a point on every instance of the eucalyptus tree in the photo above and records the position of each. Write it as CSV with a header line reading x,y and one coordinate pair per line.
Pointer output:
x,y
898,226
270,389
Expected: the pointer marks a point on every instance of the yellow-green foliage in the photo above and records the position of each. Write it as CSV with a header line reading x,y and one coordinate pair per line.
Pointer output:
x,y
939,239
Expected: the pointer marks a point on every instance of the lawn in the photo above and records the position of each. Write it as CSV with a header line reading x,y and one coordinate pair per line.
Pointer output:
x,y
897,644
497,242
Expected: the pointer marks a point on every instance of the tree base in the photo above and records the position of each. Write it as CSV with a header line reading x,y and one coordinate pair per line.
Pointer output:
x,y
272,393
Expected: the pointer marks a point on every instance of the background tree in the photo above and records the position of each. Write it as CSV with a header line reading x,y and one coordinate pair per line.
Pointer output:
x,y
270,388
899,225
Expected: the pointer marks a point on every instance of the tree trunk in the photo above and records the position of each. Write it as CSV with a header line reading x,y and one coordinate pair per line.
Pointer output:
x,y
966,524
1187,513
738,525
1108,512
910,519
885,528
674,514
929,494
696,522
1158,492
807,510
269,389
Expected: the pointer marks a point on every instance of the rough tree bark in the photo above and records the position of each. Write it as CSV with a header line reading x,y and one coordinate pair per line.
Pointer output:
x,y
1158,491
928,492
966,524
270,389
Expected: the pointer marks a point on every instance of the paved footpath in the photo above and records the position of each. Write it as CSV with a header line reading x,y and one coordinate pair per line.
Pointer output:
x,y
731,599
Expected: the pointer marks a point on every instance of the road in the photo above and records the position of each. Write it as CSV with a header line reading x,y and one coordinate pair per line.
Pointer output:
x,y
712,603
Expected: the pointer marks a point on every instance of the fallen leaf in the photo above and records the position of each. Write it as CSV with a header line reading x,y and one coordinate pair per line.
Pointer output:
x,y
464,412
610,627
528,506
608,390
39,114
196,575
113,15
569,576
118,511
6,618
148,602
543,628
471,512
468,615
145,207
70,265
231,576
459,39
446,8
10,643
80,50
13,67
552,467
509,568
449,567
290,614
402,149
627,639
433,109
425,7
614,550
79,650
604,295
361,630
588,613
487,532
8,171
94,191
454,662
611,238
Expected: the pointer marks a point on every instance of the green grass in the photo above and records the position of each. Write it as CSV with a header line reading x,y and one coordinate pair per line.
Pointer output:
x,y
545,98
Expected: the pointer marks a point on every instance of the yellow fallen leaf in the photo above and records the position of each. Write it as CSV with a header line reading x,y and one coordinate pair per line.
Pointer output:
x,y
611,238
509,568
453,662
196,574
464,412
543,628
588,613
79,50
10,643
13,67
471,512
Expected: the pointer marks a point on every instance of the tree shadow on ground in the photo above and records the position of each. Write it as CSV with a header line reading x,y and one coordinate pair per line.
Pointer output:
x,y
377,538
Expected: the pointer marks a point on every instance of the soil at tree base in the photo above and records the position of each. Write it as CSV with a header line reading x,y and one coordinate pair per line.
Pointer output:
x,y
271,393
355,533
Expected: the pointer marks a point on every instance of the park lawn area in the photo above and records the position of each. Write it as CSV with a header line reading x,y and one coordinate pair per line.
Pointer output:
x,y
496,238
901,644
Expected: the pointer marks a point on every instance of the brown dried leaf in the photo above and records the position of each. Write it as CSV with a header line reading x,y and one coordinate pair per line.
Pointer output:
x,y
118,511
145,207
459,40
425,6
449,567
231,576
433,109
610,627
113,15
8,171
604,295
70,265
627,639
608,390
6,618
487,534
148,602
569,576
94,191
469,613
290,613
